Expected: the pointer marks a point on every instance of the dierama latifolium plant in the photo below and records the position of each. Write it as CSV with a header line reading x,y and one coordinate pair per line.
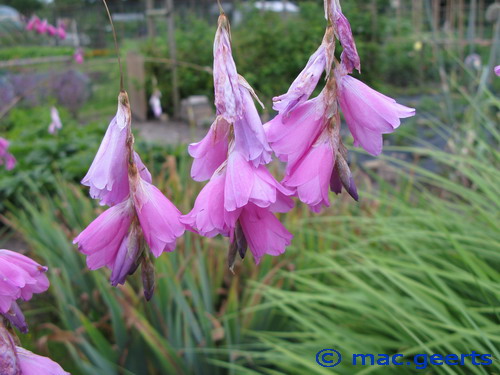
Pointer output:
x,y
20,278
241,196
140,216
306,132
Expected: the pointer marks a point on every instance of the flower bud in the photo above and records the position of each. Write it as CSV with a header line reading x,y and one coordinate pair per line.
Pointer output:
x,y
148,277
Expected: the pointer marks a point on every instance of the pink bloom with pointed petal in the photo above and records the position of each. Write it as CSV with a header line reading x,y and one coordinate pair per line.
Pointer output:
x,y
108,175
20,278
208,216
33,364
368,113
305,83
56,123
104,237
246,183
78,56
249,133
41,27
211,151
264,232
159,218
497,70
293,136
33,23
61,32
310,177
227,90
51,30
6,158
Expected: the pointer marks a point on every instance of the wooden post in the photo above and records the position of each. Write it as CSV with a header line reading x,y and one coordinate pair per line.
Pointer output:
x,y
150,19
169,4
136,78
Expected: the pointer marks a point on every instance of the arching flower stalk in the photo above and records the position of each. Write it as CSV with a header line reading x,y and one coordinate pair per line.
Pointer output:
x,y
306,132
140,216
241,196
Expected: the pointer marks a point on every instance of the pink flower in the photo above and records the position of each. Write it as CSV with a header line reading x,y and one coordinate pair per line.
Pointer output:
x,y
350,58
6,158
497,70
208,216
211,151
246,184
56,123
155,103
32,364
61,32
78,56
51,30
113,239
264,232
292,137
310,177
108,175
33,23
368,113
305,83
159,218
20,278
104,237
41,27
227,89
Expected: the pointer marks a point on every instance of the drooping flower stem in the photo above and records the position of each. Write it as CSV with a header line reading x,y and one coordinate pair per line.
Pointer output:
x,y
116,44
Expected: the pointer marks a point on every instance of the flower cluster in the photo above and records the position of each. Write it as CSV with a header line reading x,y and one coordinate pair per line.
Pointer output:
x,y
139,216
44,27
241,196
20,278
6,158
306,132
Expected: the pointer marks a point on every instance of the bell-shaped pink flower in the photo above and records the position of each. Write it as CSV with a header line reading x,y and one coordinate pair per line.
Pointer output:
x,y
33,364
310,177
246,183
368,113
211,151
228,99
305,83
208,216
103,238
108,175
291,137
6,158
249,134
56,123
20,278
263,231
51,30
61,32
78,56
159,218
497,70
33,23
41,27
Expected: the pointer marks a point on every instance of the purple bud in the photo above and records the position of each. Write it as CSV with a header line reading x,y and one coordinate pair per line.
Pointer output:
x,y
342,175
239,245
148,277
16,317
9,363
127,258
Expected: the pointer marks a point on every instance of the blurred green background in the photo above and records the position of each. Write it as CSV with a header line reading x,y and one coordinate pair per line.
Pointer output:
x,y
412,268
